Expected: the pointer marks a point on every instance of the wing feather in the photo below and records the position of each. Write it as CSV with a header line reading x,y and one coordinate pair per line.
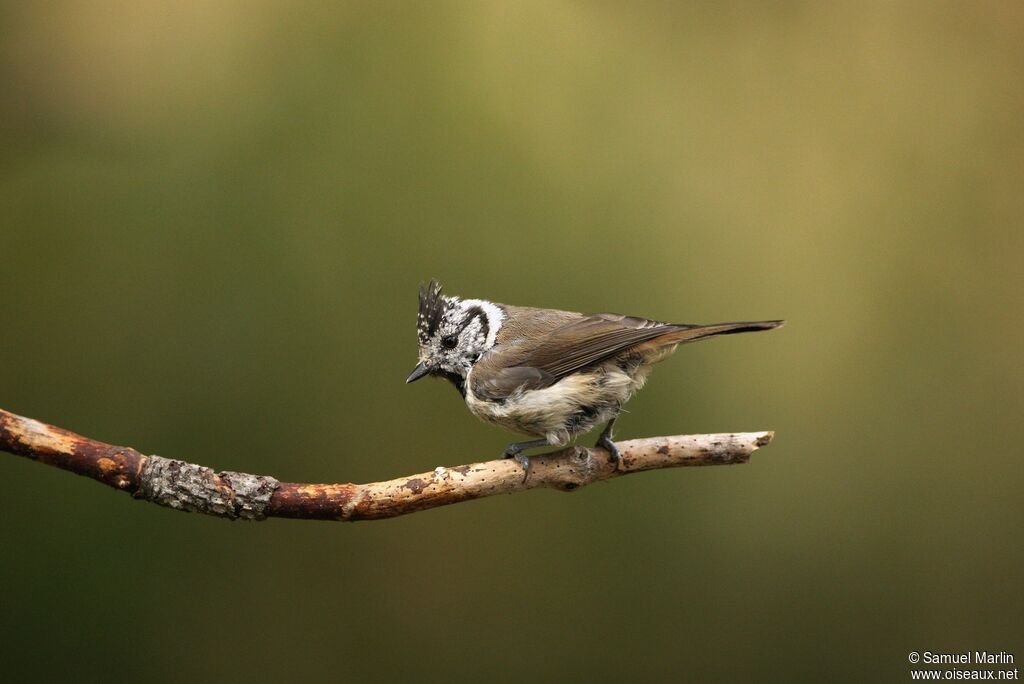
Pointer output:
x,y
566,349
500,383
592,340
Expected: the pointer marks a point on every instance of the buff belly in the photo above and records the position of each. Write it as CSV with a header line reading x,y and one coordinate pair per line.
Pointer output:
x,y
572,406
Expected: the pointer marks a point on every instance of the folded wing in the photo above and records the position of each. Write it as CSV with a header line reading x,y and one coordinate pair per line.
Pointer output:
x,y
575,346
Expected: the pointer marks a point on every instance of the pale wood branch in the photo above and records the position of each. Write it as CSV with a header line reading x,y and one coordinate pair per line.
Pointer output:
x,y
190,487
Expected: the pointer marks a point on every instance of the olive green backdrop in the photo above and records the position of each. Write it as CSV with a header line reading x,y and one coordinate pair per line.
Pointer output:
x,y
213,220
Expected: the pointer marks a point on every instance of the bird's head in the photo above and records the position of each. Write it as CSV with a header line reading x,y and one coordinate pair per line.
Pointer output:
x,y
453,333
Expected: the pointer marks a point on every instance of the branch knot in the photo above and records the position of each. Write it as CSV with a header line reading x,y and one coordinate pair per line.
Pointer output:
x,y
197,489
576,467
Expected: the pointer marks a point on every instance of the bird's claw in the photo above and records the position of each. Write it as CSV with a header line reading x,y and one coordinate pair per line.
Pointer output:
x,y
515,450
605,442
524,462
522,459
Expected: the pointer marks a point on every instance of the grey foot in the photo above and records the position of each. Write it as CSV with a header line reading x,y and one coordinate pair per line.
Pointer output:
x,y
515,451
605,442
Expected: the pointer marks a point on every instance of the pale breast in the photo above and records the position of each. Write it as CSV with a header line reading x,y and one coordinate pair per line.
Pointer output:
x,y
573,405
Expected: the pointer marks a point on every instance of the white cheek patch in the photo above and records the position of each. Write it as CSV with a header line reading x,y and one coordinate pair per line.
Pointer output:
x,y
472,334
495,317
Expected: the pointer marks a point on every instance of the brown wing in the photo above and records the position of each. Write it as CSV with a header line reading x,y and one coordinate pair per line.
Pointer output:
x,y
495,384
592,340
542,362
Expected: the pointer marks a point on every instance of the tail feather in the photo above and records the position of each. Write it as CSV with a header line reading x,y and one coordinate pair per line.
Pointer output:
x,y
692,333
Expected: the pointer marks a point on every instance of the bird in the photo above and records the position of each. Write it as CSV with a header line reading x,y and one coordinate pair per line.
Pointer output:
x,y
547,373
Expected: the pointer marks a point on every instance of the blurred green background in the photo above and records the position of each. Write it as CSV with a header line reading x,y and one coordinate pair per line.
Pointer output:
x,y
215,216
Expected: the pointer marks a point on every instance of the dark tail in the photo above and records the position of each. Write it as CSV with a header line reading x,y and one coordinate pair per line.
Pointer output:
x,y
692,333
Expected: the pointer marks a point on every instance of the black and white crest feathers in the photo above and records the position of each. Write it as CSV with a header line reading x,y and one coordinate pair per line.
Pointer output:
x,y
432,305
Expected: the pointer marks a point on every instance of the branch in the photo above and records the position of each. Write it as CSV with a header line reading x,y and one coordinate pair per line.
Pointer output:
x,y
189,487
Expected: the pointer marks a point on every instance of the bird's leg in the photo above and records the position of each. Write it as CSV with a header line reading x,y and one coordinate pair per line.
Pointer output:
x,y
605,441
515,450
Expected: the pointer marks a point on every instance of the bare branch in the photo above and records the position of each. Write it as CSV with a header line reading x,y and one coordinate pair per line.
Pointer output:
x,y
190,487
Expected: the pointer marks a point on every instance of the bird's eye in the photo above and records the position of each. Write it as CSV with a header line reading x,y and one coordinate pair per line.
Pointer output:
x,y
449,341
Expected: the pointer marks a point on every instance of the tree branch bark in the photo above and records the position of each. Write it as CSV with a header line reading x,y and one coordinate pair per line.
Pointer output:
x,y
189,487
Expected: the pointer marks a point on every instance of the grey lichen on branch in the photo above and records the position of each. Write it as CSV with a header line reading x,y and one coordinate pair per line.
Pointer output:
x,y
189,487
197,489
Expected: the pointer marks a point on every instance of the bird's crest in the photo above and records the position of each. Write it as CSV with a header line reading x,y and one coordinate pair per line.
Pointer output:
x,y
432,305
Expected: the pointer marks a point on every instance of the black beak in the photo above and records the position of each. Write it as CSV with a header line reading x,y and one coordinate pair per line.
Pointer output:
x,y
418,372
